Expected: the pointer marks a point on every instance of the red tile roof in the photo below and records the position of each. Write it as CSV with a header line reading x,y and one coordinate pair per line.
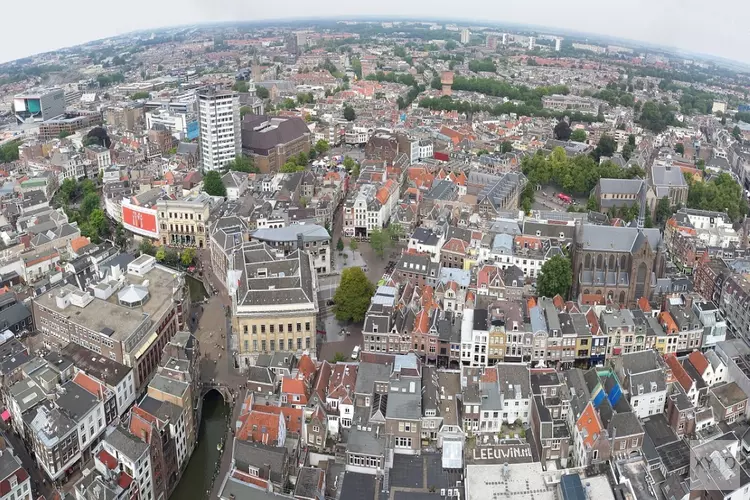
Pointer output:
x,y
306,367
643,305
89,384
589,421
679,373
259,427
21,476
292,416
699,361
343,376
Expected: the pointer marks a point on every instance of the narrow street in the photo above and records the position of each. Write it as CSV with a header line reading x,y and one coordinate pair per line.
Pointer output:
x,y
38,484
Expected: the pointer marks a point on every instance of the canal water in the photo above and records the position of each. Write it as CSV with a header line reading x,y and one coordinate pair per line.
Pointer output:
x,y
205,460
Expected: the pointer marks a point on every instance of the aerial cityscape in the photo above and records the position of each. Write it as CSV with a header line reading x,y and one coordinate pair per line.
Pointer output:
x,y
374,259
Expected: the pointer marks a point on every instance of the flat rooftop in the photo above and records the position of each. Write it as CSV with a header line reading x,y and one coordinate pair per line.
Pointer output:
x,y
111,318
525,482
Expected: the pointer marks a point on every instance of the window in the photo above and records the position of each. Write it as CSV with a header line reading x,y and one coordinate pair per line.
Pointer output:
x,y
403,442
290,344
299,344
244,329
273,345
262,328
255,329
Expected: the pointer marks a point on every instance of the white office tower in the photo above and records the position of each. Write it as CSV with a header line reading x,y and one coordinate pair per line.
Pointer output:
x,y
505,39
531,43
558,44
219,119
465,36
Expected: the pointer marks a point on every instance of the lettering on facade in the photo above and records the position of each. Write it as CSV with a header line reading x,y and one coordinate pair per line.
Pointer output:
x,y
503,453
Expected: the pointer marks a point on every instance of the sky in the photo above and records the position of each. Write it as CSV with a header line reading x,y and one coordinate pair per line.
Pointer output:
x,y
717,27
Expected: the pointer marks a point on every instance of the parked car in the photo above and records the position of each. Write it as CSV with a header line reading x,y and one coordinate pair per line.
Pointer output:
x,y
355,352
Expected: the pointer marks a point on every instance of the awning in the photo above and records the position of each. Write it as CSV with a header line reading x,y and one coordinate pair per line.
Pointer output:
x,y
5,415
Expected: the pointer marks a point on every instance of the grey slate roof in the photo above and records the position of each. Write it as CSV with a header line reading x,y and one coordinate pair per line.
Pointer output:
x,y
257,454
617,239
126,443
624,424
368,374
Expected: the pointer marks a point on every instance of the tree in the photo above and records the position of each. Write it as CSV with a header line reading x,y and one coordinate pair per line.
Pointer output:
x,y
9,151
349,163
98,222
243,164
161,254
663,211
139,95
302,159
450,45
379,242
606,147
290,167
188,256
340,245
592,204
679,148
245,110
262,92
121,240
701,164
506,147
353,245
555,277
240,86
578,135
64,134
146,247
338,357
322,147
627,151
349,113
212,184
352,298
562,131
89,204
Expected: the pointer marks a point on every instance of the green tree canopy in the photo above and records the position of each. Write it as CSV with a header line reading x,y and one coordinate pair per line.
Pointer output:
x,y
578,135
140,95
720,194
262,92
212,184
656,116
240,86
352,298
322,147
340,245
606,147
188,256
555,277
349,113
679,148
562,131
380,241
574,175
663,211
291,167
161,254
506,147
243,164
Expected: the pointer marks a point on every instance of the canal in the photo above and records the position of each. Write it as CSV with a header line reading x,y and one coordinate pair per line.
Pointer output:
x,y
196,480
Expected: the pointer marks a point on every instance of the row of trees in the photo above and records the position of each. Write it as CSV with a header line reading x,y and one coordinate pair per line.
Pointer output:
x,y
479,65
720,194
296,163
445,103
391,77
574,175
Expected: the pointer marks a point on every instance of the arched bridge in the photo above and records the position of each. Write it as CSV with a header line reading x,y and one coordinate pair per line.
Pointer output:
x,y
222,389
